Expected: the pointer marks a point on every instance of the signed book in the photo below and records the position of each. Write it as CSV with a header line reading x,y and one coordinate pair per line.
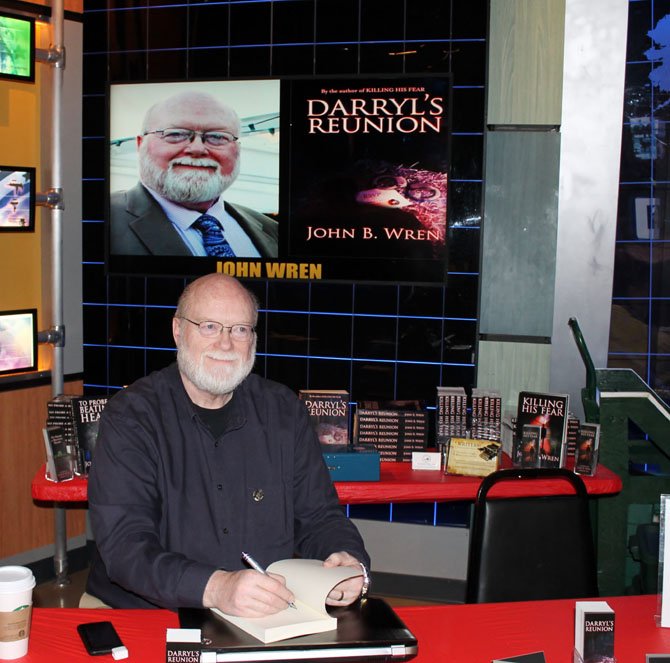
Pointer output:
x,y
310,582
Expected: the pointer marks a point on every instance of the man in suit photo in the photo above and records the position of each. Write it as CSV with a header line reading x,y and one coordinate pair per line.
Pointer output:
x,y
189,154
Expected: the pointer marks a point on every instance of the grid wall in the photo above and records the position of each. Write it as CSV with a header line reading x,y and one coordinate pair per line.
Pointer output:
x,y
378,341
640,326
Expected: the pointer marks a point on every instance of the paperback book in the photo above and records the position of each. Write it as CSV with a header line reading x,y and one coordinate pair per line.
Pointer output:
x,y
550,411
586,457
329,411
594,631
87,411
60,461
78,416
310,581
525,449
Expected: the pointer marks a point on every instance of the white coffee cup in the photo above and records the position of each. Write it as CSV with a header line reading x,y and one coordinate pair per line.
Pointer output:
x,y
16,601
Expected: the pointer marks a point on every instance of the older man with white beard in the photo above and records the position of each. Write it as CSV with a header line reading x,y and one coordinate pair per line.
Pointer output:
x,y
189,154
203,460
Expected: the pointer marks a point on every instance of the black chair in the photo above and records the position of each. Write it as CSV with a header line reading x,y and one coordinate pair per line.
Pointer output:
x,y
530,548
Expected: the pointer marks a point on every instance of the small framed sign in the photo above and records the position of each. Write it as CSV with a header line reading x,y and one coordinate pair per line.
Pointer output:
x,y
17,199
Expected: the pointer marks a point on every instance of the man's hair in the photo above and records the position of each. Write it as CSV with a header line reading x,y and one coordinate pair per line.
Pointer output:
x,y
193,97
190,291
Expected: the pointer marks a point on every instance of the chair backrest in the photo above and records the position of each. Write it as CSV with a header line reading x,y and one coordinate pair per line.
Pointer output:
x,y
529,548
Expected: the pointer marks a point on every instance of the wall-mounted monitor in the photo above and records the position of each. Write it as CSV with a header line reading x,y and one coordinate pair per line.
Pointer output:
x,y
330,178
18,341
17,199
17,47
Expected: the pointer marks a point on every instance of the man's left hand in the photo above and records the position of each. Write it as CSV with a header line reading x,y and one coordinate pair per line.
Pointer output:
x,y
348,590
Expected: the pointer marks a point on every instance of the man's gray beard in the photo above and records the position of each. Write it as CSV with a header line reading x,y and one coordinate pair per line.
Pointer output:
x,y
194,369
188,187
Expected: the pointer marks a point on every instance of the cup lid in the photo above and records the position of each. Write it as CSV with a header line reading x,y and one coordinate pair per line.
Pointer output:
x,y
15,579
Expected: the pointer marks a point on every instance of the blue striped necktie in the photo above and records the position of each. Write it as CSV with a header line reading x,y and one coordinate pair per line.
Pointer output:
x,y
212,237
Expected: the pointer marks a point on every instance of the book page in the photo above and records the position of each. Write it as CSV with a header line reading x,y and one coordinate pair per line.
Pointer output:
x,y
310,581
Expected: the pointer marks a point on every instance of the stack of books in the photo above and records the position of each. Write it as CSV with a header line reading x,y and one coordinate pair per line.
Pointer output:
x,y
452,414
392,427
486,414
572,435
75,420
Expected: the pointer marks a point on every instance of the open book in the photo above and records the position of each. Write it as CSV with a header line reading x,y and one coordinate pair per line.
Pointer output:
x,y
310,582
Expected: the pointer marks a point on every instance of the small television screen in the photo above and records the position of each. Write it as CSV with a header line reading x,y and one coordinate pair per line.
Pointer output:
x,y
17,47
18,341
17,199
342,178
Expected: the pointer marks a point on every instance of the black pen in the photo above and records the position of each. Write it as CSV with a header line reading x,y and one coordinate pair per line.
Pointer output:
x,y
257,567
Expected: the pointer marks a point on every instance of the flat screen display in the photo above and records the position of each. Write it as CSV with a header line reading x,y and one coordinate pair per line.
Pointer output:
x,y
18,341
292,178
17,47
17,199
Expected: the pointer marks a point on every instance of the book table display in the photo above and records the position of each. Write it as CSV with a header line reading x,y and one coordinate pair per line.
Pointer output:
x,y
459,633
398,482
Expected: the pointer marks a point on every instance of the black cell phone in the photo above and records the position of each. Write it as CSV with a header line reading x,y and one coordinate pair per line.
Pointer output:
x,y
99,637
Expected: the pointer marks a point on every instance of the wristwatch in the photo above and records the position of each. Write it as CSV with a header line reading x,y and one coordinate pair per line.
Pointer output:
x,y
366,582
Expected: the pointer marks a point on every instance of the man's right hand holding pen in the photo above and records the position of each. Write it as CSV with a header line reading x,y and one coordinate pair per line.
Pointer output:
x,y
247,593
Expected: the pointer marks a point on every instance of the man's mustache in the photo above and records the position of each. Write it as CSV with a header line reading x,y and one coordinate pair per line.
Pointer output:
x,y
192,161
221,356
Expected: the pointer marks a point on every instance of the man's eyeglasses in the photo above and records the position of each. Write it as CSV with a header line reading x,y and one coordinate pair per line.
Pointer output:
x,y
211,329
179,136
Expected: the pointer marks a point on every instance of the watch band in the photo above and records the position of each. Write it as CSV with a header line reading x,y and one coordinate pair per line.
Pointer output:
x,y
366,582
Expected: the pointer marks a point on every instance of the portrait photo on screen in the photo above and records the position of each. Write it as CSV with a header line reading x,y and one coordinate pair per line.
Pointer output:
x,y
17,199
18,341
17,47
194,170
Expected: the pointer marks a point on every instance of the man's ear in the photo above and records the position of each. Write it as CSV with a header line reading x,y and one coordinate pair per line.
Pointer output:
x,y
176,330
138,141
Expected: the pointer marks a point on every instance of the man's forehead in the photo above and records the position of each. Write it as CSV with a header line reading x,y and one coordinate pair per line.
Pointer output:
x,y
196,114
222,303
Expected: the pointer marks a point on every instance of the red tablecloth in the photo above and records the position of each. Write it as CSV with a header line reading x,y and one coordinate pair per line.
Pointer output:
x,y
54,638
446,634
398,483
481,633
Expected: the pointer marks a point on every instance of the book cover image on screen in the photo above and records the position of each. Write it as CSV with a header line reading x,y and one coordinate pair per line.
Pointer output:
x,y
550,411
310,583
369,167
